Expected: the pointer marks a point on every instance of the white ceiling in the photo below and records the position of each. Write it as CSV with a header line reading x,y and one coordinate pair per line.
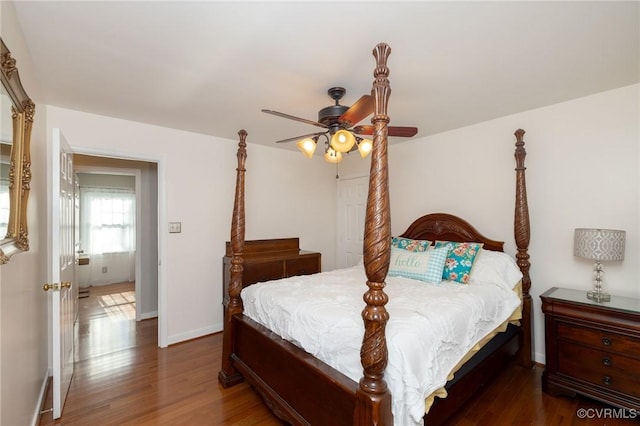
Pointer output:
x,y
210,67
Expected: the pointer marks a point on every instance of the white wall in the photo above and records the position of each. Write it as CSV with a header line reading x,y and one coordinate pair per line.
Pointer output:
x,y
108,268
583,158
286,196
23,304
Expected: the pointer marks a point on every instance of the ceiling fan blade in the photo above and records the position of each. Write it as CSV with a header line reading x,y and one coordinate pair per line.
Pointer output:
x,y
358,111
363,130
296,138
291,117
405,132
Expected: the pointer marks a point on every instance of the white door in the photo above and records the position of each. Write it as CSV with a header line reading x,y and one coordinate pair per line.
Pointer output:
x,y
61,259
352,204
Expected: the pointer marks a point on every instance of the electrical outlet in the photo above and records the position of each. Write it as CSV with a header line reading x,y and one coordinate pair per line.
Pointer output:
x,y
175,227
104,269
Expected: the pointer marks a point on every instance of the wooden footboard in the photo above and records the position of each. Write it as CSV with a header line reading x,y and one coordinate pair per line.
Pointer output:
x,y
297,386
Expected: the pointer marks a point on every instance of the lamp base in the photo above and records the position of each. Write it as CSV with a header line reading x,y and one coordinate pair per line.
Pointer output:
x,y
598,296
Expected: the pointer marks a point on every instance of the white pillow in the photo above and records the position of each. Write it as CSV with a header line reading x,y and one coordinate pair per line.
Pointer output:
x,y
424,266
496,267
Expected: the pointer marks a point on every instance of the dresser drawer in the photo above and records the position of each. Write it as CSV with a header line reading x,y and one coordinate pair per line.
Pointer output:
x,y
302,266
611,342
608,370
255,272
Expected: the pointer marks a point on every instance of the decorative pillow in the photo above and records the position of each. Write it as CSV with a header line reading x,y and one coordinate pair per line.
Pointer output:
x,y
418,265
410,245
460,260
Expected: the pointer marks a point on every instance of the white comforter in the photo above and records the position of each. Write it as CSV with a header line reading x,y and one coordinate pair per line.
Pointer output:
x,y
431,326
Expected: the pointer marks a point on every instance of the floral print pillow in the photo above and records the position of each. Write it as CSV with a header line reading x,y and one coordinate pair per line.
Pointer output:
x,y
460,260
410,245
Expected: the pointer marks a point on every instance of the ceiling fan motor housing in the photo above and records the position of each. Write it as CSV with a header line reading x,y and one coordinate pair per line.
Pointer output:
x,y
329,115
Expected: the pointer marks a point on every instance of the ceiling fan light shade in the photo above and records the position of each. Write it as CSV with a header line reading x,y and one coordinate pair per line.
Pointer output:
x,y
364,147
307,146
343,141
332,156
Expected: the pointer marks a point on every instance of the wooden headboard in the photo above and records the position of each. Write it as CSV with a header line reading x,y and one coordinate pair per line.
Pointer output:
x,y
447,227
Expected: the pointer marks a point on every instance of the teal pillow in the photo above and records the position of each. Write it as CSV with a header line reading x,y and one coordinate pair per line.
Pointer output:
x,y
460,260
409,244
425,266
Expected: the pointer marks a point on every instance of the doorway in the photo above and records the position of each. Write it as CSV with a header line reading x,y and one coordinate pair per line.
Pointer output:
x,y
137,265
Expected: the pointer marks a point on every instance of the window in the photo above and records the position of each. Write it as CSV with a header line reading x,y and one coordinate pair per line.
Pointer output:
x,y
107,220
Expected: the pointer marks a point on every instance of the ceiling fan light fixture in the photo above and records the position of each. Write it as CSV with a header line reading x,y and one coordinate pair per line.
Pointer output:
x,y
337,121
364,147
343,141
332,156
307,146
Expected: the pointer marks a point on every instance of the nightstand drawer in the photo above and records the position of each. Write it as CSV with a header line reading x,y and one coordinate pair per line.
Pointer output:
x,y
602,339
611,371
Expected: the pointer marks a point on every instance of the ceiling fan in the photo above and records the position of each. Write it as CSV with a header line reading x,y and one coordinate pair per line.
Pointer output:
x,y
341,132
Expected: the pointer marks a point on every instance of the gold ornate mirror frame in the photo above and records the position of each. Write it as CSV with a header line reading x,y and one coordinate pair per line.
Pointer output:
x,y
19,160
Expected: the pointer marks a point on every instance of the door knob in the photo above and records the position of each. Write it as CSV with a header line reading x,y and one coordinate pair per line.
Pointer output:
x,y
66,284
48,287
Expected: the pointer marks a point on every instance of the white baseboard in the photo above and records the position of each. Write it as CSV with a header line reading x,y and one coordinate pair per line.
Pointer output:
x,y
194,334
35,421
539,358
148,315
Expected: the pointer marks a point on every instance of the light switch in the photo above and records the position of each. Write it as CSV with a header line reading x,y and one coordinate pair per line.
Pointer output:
x,y
175,227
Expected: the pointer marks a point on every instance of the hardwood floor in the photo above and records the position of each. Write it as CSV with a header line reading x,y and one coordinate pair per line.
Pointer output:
x,y
122,378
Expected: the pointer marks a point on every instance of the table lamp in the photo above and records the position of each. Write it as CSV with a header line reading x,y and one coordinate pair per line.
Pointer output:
x,y
601,245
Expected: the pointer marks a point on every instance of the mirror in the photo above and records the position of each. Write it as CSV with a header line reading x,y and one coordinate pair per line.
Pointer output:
x,y
16,120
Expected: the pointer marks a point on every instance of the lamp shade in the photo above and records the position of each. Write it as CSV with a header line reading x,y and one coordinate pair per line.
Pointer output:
x,y
364,147
332,156
307,146
599,244
343,141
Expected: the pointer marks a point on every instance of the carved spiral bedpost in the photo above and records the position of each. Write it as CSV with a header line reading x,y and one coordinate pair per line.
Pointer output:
x,y
373,400
522,232
228,375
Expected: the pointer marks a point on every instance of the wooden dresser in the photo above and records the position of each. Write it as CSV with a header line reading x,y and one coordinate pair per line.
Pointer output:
x,y
266,260
592,348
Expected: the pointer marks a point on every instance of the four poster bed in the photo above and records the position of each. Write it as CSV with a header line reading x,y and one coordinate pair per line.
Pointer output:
x,y
302,389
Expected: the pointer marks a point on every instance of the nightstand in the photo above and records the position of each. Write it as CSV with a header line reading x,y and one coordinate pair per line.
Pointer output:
x,y
592,349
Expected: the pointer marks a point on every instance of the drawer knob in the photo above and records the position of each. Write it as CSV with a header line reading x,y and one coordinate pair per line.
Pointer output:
x,y
606,361
606,380
606,341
